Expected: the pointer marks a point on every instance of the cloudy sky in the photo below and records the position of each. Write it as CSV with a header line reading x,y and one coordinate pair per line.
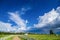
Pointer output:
x,y
37,16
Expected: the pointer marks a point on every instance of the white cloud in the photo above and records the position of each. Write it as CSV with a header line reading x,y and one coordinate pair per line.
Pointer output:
x,y
24,10
21,23
27,21
16,18
51,18
58,28
6,27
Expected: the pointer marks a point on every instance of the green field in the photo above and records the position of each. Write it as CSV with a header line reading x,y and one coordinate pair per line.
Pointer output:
x,y
33,37
45,37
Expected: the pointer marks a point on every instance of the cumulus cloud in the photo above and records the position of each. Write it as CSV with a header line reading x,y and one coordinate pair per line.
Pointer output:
x,y
51,18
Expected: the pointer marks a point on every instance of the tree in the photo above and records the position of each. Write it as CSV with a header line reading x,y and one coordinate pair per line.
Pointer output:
x,y
51,32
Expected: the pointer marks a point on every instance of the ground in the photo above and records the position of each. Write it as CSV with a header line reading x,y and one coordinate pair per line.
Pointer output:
x,y
30,36
16,38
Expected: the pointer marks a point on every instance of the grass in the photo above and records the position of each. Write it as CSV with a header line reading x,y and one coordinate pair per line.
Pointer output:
x,y
44,37
10,38
37,37
2,35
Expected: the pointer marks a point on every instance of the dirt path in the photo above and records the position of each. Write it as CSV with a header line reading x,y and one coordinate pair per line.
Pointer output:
x,y
16,38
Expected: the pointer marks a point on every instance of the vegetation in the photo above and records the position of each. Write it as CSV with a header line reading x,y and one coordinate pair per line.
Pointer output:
x,y
32,36
9,38
51,32
44,37
10,33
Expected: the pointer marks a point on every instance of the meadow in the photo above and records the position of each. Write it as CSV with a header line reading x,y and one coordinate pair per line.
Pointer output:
x,y
44,37
30,37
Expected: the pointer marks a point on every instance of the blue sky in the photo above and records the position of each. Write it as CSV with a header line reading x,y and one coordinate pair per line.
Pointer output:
x,y
29,15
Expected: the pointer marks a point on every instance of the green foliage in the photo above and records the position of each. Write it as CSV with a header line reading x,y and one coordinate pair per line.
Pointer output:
x,y
51,32
10,33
